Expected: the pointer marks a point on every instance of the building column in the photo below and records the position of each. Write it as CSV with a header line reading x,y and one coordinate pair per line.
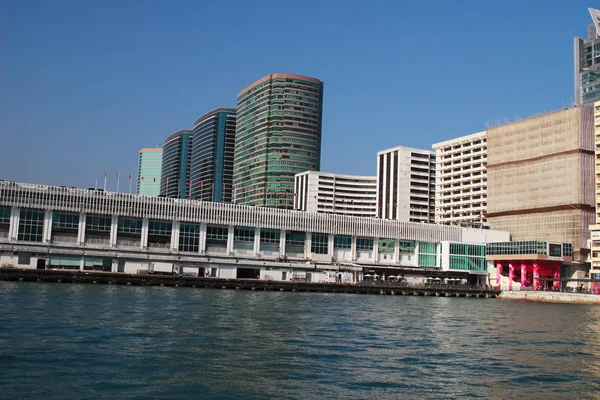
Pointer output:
x,y
353,249
175,236
82,263
523,275
47,233
330,244
556,284
536,276
202,242
396,251
230,239
498,275
114,225
81,229
144,237
376,250
13,230
282,236
308,245
257,241
511,275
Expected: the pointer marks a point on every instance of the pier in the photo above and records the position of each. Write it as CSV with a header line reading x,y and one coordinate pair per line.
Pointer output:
x,y
116,278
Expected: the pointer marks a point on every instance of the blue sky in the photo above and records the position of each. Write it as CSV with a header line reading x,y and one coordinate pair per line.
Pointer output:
x,y
85,84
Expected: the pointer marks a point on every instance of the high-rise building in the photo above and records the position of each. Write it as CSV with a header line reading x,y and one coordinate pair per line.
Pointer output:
x,y
595,229
336,194
461,181
406,184
278,134
211,175
176,165
149,172
587,63
540,176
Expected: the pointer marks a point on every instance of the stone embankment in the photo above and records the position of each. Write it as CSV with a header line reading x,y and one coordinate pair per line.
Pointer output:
x,y
551,297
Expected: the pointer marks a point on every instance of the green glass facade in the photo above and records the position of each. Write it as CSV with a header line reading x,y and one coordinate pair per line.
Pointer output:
x,y
467,257
149,171
278,134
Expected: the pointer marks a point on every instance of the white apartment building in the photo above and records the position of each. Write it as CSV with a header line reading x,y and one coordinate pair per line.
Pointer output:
x,y
406,184
461,181
324,192
595,229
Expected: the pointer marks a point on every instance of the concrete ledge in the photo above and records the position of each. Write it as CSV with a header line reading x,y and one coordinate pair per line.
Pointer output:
x,y
551,297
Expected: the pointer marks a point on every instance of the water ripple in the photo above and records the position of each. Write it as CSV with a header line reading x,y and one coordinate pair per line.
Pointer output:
x,y
79,341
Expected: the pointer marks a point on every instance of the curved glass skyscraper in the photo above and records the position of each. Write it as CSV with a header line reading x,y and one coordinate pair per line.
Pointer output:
x,y
176,165
211,174
278,134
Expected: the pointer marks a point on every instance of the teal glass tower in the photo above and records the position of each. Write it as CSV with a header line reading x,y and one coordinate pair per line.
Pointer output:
x,y
149,172
176,165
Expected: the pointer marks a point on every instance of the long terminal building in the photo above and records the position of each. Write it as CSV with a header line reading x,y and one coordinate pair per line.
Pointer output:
x,y
56,227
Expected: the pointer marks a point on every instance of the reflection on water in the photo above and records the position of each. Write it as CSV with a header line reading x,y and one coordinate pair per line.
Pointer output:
x,y
62,340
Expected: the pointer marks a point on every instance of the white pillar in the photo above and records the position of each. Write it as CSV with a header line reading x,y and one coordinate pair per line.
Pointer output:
x,y
230,238
13,230
114,225
82,263
282,243
257,241
307,245
353,249
416,255
376,250
81,229
396,251
202,239
175,236
144,236
330,241
47,233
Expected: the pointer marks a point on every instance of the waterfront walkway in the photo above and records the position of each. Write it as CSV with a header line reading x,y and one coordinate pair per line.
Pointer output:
x,y
115,278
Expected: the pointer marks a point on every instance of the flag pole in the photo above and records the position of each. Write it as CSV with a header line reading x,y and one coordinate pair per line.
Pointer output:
x,y
130,183
96,186
105,173
118,181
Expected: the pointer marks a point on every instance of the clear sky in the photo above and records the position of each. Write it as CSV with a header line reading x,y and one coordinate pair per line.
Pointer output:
x,y
85,84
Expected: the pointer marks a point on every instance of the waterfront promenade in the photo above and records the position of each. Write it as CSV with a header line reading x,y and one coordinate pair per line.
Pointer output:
x,y
115,278
550,297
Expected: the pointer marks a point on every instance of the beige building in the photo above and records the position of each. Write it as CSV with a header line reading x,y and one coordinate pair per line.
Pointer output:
x,y
540,175
461,181
595,229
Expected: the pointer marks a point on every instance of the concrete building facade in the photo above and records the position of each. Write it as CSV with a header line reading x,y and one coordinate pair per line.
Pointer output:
x,y
406,184
149,172
461,181
324,192
56,227
211,168
541,178
595,228
278,134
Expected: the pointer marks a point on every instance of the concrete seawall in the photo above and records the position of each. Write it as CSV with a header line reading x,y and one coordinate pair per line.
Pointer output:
x,y
551,297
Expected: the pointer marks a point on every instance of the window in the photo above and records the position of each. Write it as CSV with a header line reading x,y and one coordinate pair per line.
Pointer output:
x,y
295,238
65,221
342,242
31,226
270,236
129,225
4,215
97,223
189,237
363,244
216,233
243,234
159,228
427,254
319,243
